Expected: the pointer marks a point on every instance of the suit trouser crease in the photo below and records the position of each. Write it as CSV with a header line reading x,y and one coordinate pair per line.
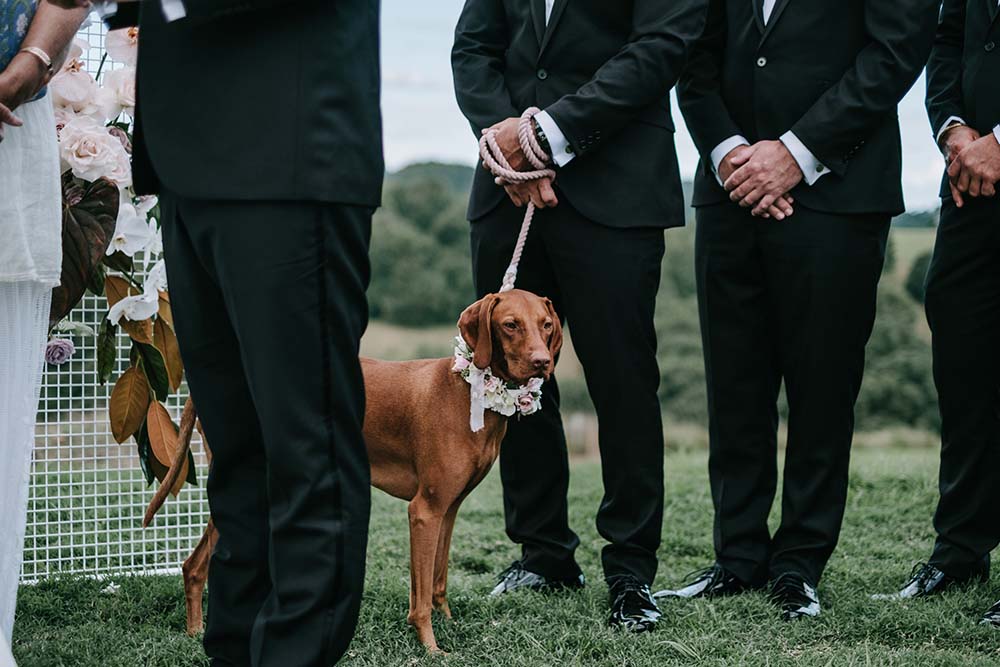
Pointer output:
x,y
269,305
963,309
603,281
792,301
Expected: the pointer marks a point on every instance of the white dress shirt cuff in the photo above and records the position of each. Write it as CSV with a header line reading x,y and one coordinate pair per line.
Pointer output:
x,y
812,169
948,124
173,9
996,133
562,152
724,149
105,10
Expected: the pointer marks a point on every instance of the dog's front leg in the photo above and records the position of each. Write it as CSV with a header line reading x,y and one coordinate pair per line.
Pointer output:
x,y
441,561
425,530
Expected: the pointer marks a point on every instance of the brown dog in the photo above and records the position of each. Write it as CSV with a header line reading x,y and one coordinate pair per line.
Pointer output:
x,y
420,445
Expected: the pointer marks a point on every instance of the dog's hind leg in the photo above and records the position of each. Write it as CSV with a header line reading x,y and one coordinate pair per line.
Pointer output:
x,y
441,561
425,529
195,571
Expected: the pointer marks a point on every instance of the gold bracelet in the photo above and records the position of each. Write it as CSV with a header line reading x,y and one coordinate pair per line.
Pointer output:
x,y
41,55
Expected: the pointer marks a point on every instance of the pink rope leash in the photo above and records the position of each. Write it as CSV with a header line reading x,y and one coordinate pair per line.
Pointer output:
x,y
495,161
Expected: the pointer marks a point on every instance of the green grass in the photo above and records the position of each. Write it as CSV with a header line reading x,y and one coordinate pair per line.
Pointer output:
x,y
70,622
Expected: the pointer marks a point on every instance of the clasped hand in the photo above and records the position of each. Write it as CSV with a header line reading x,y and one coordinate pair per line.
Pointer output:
x,y
973,163
761,177
539,192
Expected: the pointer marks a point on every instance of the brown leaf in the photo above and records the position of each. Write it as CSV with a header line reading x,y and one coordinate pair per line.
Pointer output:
x,y
141,331
117,288
165,310
165,341
128,403
88,225
163,441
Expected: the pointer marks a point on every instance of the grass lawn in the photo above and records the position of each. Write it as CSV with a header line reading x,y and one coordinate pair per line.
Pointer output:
x,y
71,623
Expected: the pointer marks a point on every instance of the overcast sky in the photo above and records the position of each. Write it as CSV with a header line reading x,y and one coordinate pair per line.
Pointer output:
x,y
422,121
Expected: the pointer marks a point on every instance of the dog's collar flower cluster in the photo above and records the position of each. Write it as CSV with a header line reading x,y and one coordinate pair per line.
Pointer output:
x,y
489,391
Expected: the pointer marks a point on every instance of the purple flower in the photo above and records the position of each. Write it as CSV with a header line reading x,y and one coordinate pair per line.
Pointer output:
x,y
59,351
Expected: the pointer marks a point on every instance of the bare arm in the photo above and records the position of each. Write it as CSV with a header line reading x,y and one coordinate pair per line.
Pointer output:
x,y
52,31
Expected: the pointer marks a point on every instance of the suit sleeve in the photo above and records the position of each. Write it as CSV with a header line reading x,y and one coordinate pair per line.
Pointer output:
x,y
478,61
699,91
209,10
837,125
639,75
126,16
944,69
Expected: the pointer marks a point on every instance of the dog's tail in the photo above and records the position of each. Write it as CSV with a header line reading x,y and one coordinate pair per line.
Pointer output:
x,y
188,418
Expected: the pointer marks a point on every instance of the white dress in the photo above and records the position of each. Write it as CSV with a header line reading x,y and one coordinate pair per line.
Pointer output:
x,y
30,259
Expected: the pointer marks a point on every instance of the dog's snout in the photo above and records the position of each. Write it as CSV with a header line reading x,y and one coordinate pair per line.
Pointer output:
x,y
540,361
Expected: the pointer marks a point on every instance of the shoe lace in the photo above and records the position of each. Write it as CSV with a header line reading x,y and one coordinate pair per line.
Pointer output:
x,y
513,572
921,574
712,573
628,591
790,589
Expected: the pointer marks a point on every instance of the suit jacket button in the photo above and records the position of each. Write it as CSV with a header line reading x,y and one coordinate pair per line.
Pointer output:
x,y
762,62
543,75
990,46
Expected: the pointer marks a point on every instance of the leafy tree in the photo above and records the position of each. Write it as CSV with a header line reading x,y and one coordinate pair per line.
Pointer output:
x,y
918,274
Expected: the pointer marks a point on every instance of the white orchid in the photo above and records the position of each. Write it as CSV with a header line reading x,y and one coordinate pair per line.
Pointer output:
x,y
156,279
123,45
132,231
135,308
117,93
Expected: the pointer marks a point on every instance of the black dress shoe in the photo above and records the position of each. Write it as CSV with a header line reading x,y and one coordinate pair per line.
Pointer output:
x,y
632,605
795,596
714,581
516,578
992,617
925,579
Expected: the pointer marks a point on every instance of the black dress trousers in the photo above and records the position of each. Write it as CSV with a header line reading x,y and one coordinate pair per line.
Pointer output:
x,y
963,309
794,301
603,281
269,303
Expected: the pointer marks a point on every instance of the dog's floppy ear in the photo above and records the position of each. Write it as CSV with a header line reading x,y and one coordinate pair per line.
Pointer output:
x,y
556,339
476,328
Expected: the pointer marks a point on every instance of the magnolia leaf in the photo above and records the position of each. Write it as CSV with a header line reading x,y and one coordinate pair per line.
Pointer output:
x,y
166,342
117,288
119,261
96,282
163,442
165,311
89,215
107,350
140,332
128,403
142,445
156,370
74,328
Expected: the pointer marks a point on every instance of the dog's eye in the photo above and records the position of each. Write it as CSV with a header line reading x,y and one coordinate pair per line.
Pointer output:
x,y
510,326
547,326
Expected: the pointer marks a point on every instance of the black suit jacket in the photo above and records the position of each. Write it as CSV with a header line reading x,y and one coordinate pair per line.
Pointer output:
x,y
259,100
831,71
963,74
603,70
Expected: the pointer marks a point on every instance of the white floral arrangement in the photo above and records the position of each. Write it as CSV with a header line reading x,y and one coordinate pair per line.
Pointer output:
x,y
112,247
493,393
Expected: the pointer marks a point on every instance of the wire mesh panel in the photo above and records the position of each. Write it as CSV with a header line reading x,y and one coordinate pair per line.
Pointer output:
x,y
88,493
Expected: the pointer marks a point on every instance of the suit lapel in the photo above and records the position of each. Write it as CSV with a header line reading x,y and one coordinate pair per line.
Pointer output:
x,y
992,8
758,14
779,7
538,18
557,12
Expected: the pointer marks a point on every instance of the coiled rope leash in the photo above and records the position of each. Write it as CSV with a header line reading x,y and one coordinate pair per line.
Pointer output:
x,y
498,165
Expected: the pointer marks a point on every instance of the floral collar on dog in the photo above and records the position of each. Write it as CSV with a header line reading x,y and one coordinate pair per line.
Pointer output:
x,y
489,391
